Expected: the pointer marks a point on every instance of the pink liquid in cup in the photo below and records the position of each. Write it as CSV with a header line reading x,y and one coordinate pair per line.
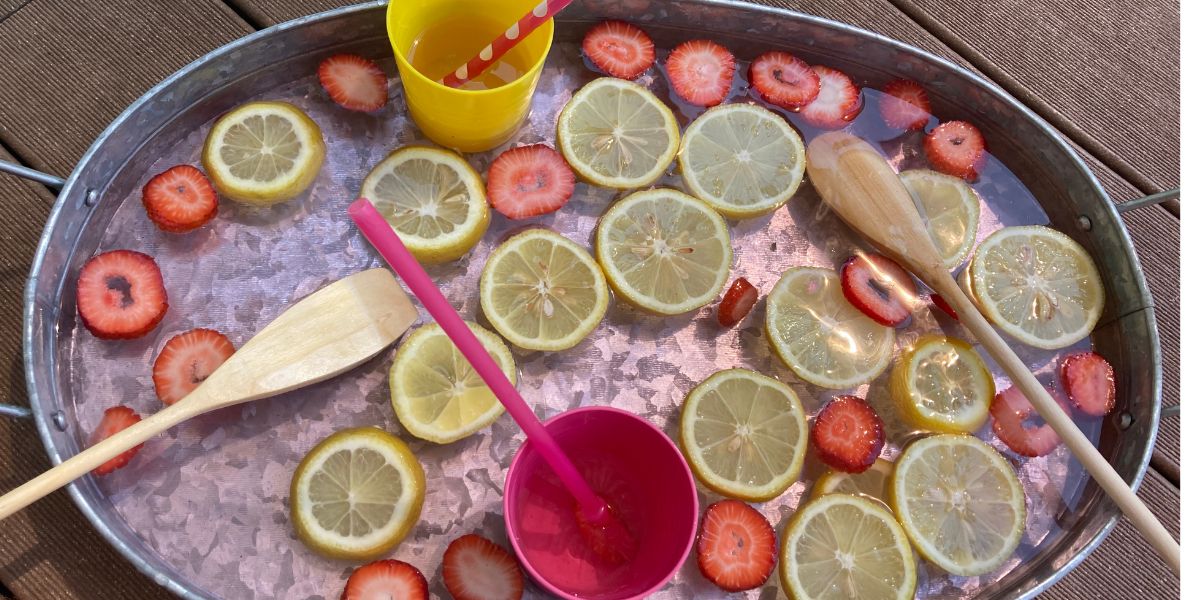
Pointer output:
x,y
633,465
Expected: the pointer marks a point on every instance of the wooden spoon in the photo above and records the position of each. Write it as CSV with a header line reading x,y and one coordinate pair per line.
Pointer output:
x,y
860,186
326,334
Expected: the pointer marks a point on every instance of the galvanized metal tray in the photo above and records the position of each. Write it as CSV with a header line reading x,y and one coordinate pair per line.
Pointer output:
x,y
203,509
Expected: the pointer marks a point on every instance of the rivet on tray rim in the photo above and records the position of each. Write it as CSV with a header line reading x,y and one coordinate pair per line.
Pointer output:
x,y
59,419
1085,222
90,198
1126,420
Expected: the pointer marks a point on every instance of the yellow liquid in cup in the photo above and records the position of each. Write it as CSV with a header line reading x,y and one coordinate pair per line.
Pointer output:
x,y
449,44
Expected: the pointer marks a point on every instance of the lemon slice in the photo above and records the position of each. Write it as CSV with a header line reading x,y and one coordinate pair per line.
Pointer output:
x,y
820,335
436,393
873,482
744,434
262,153
950,210
742,159
840,546
664,251
432,198
941,384
357,494
1037,285
960,502
542,291
617,134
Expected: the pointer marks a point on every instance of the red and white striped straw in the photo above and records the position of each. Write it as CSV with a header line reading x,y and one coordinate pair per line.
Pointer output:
x,y
485,58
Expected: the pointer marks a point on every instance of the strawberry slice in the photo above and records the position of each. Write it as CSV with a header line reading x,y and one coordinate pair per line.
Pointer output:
x,y
701,72
941,303
353,82
474,568
784,80
115,419
848,434
737,302
956,148
837,103
736,549
1090,383
188,359
878,287
529,181
1015,422
120,295
904,105
390,579
179,199
619,49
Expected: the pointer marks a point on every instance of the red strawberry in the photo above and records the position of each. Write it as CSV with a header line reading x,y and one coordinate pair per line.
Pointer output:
x,y
179,199
956,148
905,105
737,302
1010,411
120,295
701,72
115,419
474,568
353,82
529,181
848,434
619,49
736,549
941,303
188,359
836,104
386,580
878,287
784,80
1089,382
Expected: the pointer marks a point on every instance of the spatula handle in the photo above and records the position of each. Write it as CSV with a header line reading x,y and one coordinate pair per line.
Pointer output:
x,y
1099,468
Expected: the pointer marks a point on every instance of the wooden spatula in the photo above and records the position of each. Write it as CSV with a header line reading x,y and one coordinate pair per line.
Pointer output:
x,y
333,330
861,187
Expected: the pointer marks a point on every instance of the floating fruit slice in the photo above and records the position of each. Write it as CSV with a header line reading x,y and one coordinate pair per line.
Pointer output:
x,y
353,82
904,105
619,49
960,502
1016,422
821,336
542,291
436,393
115,420
701,72
736,548
784,80
262,153
837,103
120,295
179,199
873,482
186,361
950,209
1089,382
879,287
941,383
744,434
848,434
841,546
357,494
742,159
475,568
664,251
432,198
387,578
1037,285
617,134
739,300
956,148
528,181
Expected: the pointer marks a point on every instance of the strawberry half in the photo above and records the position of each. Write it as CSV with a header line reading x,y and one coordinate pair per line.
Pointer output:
x,y
474,568
848,434
1014,421
956,148
188,359
904,105
784,80
736,549
529,181
386,579
737,303
837,103
701,72
941,303
179,199
120,295
619,49
115,419
1090,383
353,82
878,287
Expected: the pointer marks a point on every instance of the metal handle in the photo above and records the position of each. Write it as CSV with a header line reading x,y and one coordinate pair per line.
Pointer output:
x,y
50,181
1150,200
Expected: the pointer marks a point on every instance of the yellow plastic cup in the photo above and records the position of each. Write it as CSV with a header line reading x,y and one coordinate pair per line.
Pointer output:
x,y
467,120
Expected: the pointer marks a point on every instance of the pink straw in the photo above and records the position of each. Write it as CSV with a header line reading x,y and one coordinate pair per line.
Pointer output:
x,y
485,58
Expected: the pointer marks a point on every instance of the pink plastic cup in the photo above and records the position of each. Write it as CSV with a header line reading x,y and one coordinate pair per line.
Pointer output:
x,y
638,469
